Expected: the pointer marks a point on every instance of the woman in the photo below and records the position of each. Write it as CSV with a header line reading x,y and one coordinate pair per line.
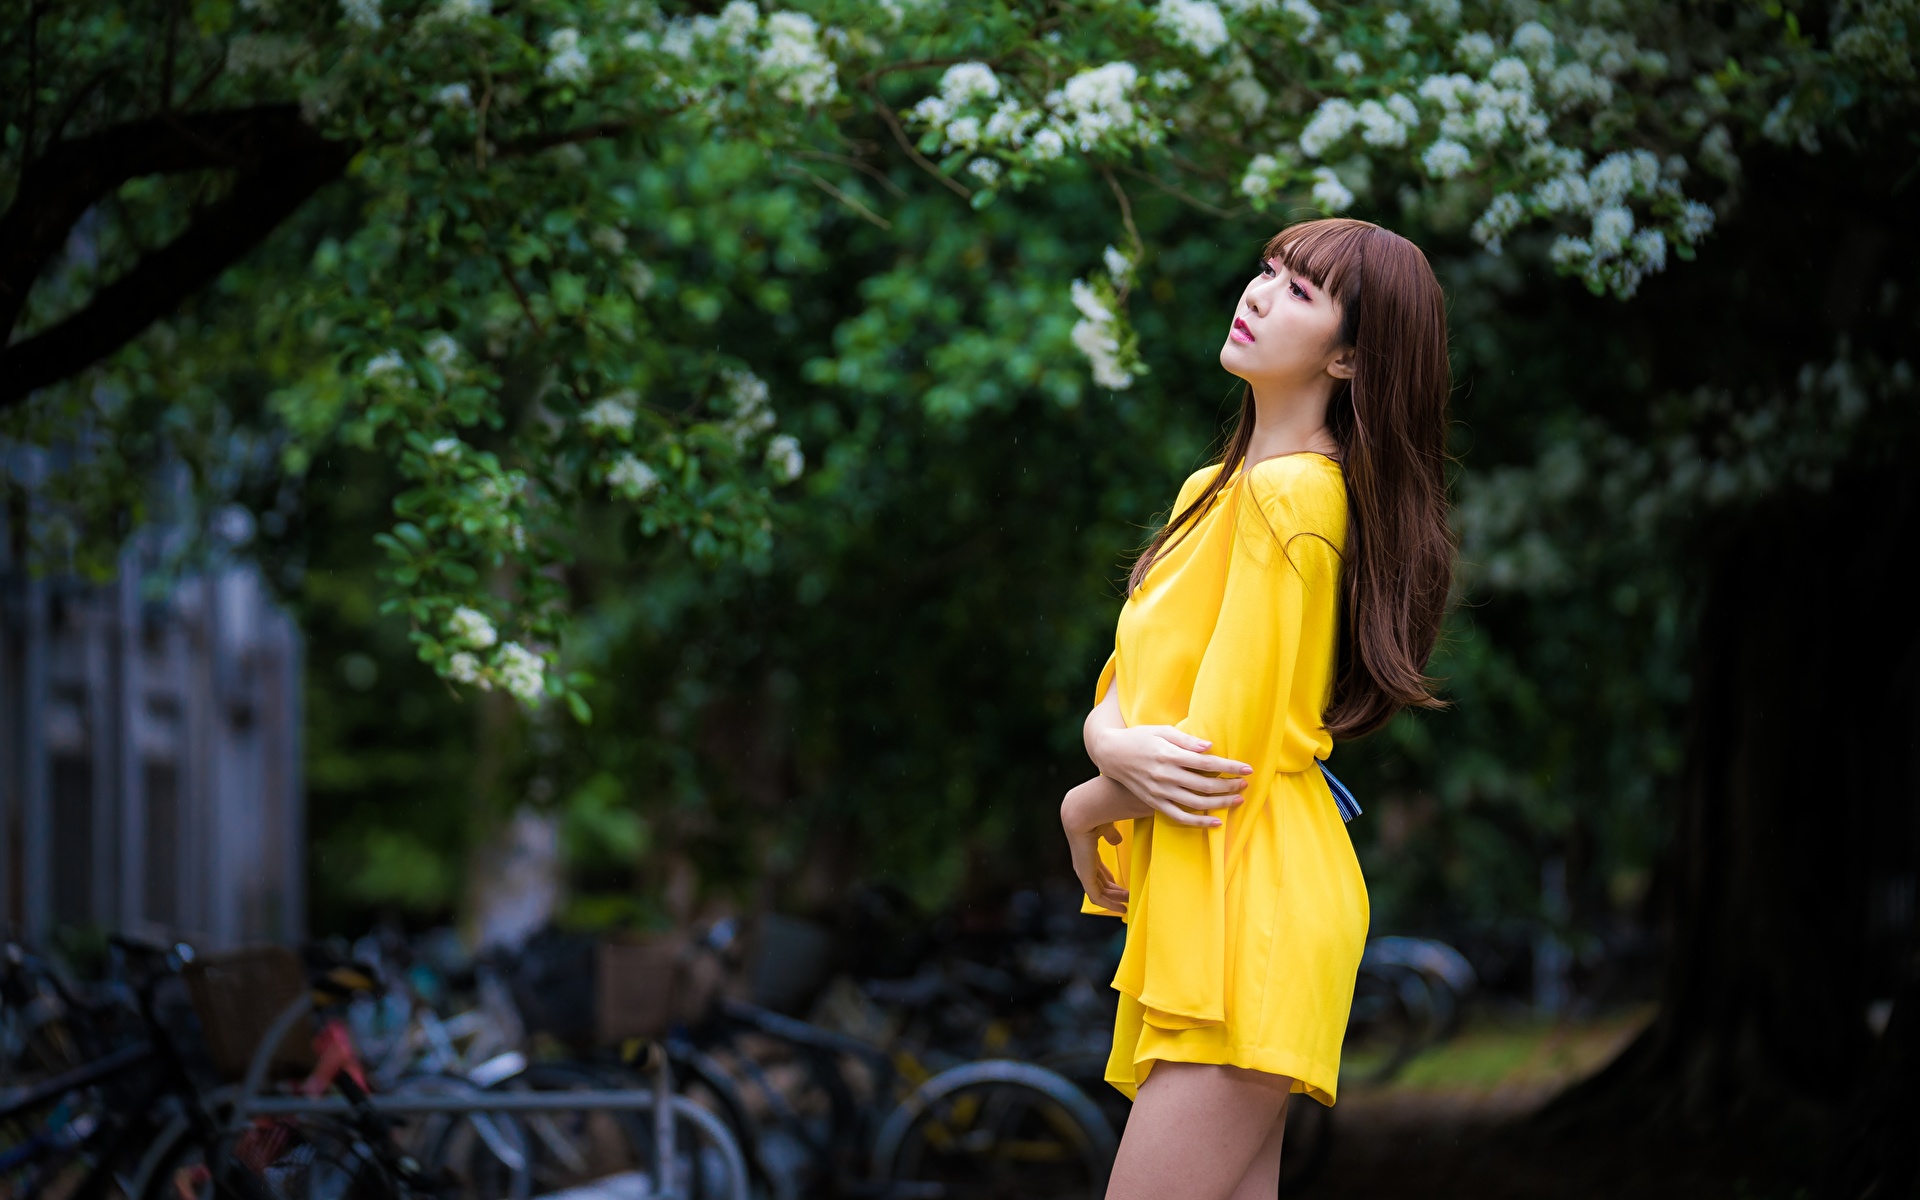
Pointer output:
x,y
1291,600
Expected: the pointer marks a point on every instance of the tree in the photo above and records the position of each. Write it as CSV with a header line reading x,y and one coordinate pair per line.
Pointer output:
x,y
513,294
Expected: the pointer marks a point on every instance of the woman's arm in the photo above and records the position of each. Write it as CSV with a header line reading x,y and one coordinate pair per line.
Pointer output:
x,y
1088,814
1164,767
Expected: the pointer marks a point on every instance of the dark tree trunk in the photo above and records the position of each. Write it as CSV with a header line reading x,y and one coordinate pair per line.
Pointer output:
x,y
1791,880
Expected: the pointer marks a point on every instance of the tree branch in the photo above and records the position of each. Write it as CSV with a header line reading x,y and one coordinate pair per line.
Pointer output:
x,y
281,161
900,135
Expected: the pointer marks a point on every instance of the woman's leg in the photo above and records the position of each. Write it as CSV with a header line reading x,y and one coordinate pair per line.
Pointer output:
x,y
1197,1131
1262,1180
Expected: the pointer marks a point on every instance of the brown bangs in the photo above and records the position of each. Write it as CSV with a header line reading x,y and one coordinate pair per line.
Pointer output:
x,y
1328,252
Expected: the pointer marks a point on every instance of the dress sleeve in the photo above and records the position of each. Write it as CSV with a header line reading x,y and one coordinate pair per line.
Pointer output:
x,y
1283,561
1280,559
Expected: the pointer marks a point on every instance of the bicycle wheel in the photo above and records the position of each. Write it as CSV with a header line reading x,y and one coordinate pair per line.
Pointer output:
x,y
995,1130
308,1159
1385,1024
571,1149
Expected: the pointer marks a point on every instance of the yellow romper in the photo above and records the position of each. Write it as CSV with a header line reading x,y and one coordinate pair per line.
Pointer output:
x,y
1242,941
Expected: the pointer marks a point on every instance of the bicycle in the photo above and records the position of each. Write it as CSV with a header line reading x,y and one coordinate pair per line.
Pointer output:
x,y
890,1128
107,1112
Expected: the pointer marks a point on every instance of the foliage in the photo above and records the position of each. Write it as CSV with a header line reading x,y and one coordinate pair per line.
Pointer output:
x,y
601,279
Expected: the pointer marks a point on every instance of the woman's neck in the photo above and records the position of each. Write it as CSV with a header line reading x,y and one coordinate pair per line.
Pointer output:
x,y
1291,421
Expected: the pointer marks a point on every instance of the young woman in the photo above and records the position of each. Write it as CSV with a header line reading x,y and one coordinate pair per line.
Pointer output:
x,y
1291,600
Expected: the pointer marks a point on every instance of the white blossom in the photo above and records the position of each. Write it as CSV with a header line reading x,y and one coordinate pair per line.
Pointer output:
x,y
460,11
1348,63
1716,153
1573,83
1009,124
1329,193
1048,145
631,478
1612,226
1306,15
736,23
1533,41
1330,123
1248,97
1173,79
1379,126
1446,158
611,414
455,95
521,673
463,667
1257,183
471,626
607,238
784,458
442,349
1195,24
1512,74
385,366
1088,302
364,13
1118,265
748,396
1102,348
1502,213
1399,26
1696,221
986,170
1569,251
1475,49
1097,103
447,448
1489,123
1564,193
793,57
964,82
1443,12
1448,91
1611,179
1650,249
566,58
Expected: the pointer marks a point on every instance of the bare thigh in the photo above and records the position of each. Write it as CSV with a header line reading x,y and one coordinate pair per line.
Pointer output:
x,y
1198,1132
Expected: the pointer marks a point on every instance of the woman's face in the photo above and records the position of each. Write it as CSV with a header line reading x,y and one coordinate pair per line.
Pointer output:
x,y
1286,333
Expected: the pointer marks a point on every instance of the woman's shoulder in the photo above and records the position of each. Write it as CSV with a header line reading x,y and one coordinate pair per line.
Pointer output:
x,y
1194,485
1307,484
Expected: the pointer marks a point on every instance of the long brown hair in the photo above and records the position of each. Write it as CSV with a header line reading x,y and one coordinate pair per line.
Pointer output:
x,y
1390,422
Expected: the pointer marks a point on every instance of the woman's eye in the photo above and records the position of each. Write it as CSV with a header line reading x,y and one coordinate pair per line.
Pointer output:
x,y
1295,289
1266,270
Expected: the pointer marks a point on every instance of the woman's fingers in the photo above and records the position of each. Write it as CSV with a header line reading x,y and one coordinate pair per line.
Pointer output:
x,y
1206,764
1181,816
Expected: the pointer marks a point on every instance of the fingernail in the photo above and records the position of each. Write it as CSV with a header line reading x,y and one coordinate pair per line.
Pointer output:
x,y
1216,824
1206,745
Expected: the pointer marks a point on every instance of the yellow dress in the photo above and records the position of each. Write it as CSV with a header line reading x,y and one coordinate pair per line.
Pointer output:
x,y
1242,941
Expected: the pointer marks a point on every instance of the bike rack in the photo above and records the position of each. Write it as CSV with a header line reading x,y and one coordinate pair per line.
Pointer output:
x,y
251,1103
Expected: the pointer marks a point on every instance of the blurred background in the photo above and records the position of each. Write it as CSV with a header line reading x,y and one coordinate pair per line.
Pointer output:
x,y
1648,881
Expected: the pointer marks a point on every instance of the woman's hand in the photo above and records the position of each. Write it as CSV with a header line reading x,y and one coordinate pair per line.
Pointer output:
x,y
1094,877
1088,814
1166,768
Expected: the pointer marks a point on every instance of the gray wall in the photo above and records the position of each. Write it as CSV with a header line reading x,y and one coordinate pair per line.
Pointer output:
x,y
150,757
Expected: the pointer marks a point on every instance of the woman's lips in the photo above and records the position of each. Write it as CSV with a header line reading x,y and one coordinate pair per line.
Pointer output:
x,y
1240,331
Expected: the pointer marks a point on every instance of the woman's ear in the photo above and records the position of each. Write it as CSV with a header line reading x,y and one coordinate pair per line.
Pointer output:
x,y
1342,365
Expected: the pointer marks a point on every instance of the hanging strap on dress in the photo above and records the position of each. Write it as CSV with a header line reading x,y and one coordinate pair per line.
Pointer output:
x,y
1342,798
